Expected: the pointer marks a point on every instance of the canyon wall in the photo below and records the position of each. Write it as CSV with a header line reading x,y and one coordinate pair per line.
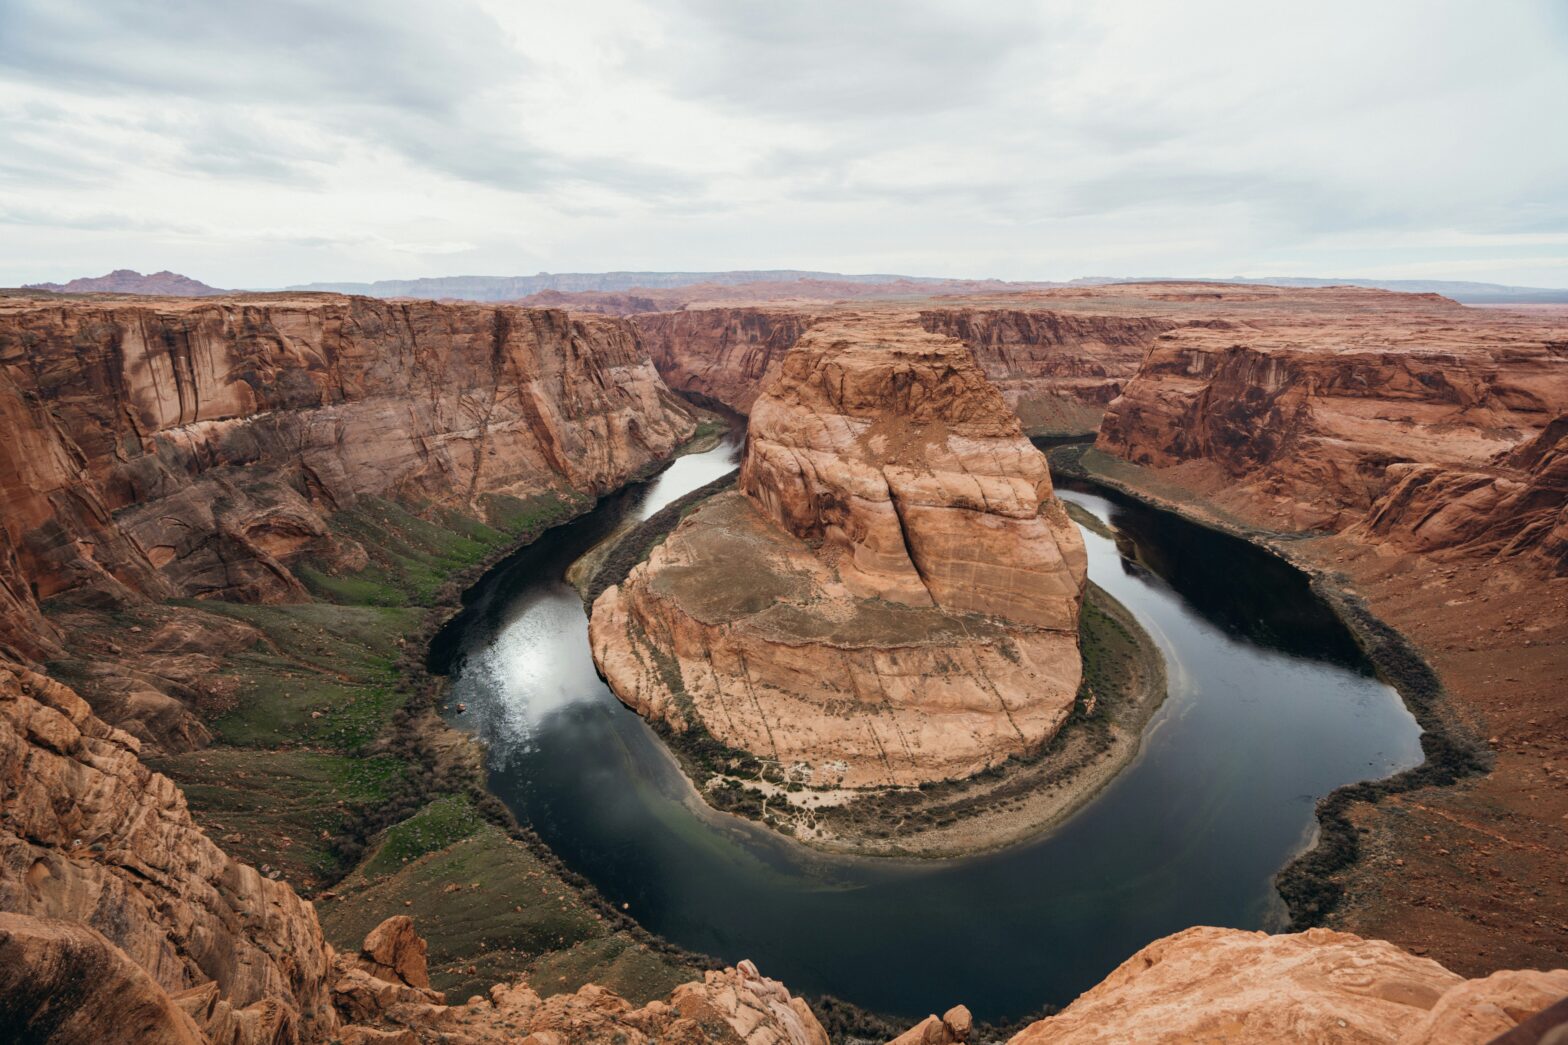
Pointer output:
x,y
893,596
161,449
1057,369
1413,421
722,354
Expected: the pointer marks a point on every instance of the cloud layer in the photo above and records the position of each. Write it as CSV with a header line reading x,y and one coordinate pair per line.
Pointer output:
x,y
264,144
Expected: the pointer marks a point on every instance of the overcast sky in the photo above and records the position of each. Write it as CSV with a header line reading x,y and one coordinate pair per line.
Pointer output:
x,y
264,143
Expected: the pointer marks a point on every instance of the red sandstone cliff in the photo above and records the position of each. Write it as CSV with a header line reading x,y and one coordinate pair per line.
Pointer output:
x,y
1319,421
1057,369
723,354
155,449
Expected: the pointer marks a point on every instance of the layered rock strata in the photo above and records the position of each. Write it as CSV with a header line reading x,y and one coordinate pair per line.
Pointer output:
x,y
1313,419
890,598
1056,369
157,449
88,834
722,354
1225,985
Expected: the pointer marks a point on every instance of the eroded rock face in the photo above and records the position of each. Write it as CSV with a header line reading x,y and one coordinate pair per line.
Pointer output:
x,y
737,1006
1516,507
1056,369
91,836
1226,985
62,982
724,354
1311,419
892,598
154,449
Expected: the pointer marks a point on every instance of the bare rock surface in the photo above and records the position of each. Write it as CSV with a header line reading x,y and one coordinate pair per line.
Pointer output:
x,y
894,595
1226,985
90,835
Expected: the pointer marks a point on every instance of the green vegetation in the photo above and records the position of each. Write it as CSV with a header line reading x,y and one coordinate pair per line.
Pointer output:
x,y
490,908
446,821
283,810
412,557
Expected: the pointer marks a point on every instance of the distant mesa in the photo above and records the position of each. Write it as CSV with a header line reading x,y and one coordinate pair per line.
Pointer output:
x,y
129,281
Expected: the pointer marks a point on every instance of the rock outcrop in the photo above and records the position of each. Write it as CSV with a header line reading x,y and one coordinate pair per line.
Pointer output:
x,y
154,449
88,834
1515,507
1225,985
1311,418
737,1006
893,596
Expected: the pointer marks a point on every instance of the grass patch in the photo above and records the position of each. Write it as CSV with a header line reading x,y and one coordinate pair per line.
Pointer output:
x,y
412,556
323,676
490,910
446,821
282,809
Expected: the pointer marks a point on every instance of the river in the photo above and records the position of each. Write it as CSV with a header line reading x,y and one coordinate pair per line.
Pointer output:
x,y
1271,706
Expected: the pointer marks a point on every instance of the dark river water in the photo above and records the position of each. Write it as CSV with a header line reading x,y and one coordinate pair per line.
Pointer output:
x,y
1271,706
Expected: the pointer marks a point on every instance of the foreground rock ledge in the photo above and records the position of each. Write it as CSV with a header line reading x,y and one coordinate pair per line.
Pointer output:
x,y
891,597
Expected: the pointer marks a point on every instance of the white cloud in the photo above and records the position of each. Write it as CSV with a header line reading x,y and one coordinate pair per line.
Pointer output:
x,y
256,145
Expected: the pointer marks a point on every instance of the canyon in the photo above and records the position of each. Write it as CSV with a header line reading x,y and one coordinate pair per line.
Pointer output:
x,y
890,597
218,508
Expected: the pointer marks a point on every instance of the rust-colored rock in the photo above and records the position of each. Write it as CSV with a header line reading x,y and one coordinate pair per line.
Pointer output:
x,y
63,983
92,836
1309,417
1226,985
893,598
1056,369
951,1028
394,952
198,448
722,354
735,1007
1515,507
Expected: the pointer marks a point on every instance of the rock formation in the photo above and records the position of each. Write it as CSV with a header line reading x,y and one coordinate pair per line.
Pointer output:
x,y
1056,369
1517,505
200,448
1225,985
1311,417
893,596
90,835
723,354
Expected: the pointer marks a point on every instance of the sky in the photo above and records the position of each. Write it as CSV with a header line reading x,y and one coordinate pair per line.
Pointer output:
x,y
284,141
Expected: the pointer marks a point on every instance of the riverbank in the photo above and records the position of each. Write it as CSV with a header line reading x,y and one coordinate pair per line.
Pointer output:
x,y
1446,859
